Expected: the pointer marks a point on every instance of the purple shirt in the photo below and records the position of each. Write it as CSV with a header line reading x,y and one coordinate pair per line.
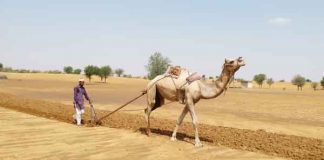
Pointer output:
x,y
79,92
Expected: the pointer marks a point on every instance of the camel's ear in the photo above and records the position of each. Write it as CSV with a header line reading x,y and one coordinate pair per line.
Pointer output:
x,y
228,61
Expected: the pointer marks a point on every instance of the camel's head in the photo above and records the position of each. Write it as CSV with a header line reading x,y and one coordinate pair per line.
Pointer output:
x,y
234,64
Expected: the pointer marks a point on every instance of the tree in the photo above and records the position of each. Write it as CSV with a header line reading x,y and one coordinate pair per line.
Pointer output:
x,y
308,80
90,70
322,82
68,69
299,81
119,72
270,82
97,72
259,79
105,71
1,66
77,71
314,85
157,65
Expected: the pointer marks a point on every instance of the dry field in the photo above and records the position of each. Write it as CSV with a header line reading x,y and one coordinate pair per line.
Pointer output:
x,y
259,120
56,140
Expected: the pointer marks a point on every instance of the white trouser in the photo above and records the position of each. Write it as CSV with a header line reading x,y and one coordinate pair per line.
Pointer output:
x,y
78,114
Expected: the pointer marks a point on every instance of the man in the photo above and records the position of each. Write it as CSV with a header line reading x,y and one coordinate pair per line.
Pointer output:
x,y
79,92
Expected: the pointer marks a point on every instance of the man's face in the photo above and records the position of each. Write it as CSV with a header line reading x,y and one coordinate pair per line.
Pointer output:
x,y
81,83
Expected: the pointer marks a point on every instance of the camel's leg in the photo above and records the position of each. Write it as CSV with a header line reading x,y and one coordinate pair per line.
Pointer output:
x,y
148,111
191,108
179,122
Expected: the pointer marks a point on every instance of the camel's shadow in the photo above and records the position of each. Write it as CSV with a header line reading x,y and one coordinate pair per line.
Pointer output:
x,y
180,136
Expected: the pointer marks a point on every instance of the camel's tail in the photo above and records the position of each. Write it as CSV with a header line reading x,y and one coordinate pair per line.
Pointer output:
x,y
154,98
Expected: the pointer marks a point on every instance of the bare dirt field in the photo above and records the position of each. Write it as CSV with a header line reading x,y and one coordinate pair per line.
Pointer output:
x,y
31,137
271,121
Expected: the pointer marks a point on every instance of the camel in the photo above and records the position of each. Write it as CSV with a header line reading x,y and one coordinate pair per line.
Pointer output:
x,y
162,87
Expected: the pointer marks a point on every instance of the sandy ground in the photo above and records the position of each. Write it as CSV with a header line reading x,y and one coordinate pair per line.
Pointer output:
x,y
274,110
25,136
260,141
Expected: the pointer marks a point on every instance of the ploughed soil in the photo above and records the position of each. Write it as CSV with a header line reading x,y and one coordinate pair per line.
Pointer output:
x,y
288,146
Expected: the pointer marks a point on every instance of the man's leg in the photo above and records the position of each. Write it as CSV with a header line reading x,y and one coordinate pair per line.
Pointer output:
x,y
78,115
81,112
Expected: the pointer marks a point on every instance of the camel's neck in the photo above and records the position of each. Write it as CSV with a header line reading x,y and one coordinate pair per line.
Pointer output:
x,y
212,91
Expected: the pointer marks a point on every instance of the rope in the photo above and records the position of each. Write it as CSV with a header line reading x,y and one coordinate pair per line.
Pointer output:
x,y
122,106
133,110
175,86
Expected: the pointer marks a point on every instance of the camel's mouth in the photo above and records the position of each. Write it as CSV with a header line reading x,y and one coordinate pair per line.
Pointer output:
x,y
241,61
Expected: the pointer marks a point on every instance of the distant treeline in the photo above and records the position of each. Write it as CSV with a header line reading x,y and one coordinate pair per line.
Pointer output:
x,y
158,64
298,80
9,69
91,70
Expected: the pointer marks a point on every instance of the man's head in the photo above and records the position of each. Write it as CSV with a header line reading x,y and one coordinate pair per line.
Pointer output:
x,y
81,81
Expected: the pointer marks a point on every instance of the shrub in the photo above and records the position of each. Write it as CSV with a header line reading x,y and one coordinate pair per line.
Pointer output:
x,y
270,82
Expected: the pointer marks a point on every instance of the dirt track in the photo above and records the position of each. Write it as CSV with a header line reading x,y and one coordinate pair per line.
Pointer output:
x,y
257,141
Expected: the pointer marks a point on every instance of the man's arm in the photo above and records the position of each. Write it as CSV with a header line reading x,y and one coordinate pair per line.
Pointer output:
x,y
75,101
86,96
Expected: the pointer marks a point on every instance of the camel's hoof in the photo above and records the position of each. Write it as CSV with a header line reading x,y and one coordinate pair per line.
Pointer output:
x,y
148,133
173,139
199,144
99,123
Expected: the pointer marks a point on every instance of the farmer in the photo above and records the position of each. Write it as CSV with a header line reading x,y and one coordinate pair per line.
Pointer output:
x,y
79,92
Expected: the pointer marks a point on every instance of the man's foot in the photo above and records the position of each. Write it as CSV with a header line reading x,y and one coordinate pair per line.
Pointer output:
x,y
174,138
148,132
198,144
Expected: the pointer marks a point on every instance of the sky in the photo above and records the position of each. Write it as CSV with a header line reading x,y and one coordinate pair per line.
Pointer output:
x,y
280,38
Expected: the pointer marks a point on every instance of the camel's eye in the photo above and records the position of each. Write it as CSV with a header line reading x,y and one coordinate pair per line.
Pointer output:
x,y
231,62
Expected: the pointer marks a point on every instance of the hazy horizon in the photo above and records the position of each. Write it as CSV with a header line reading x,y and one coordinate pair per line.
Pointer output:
x,y
277,38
